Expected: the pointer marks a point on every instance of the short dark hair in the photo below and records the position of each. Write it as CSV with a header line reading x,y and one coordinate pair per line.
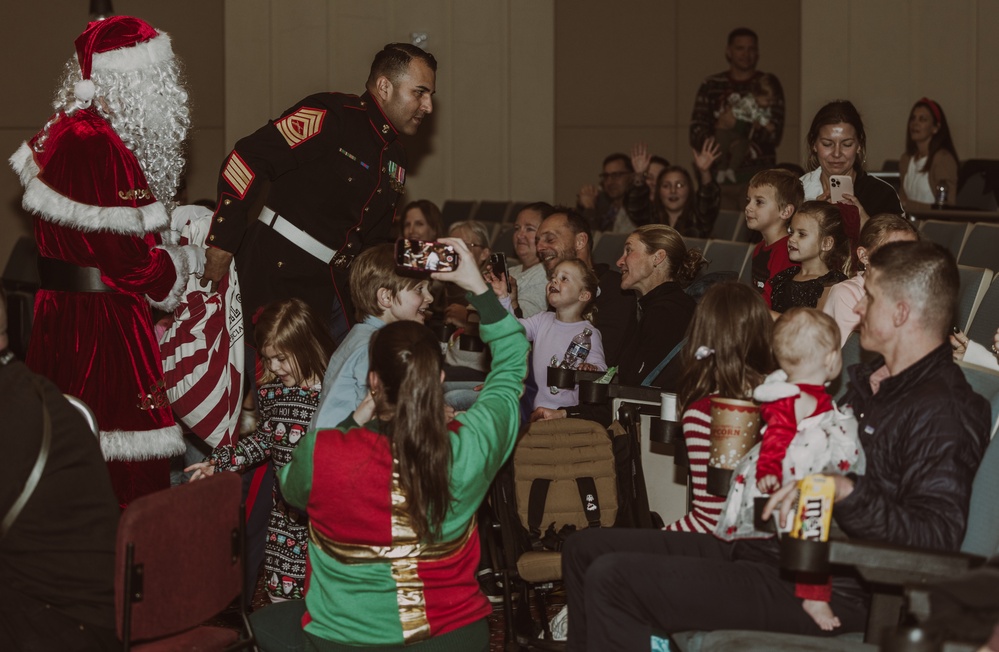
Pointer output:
x,y
394,59
618,156
655,158
543,208
925,275
577,223
742,31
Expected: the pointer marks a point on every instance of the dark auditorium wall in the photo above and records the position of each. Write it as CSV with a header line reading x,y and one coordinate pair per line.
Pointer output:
x,y
629,71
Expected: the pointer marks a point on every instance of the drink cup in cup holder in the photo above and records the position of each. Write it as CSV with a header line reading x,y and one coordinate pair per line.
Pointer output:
x,y
666,429
442,331
561,377
735,428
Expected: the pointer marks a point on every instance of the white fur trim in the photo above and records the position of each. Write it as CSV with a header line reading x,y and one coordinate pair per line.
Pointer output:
x,y
142,444
41,199
775,387
23,162
136,57
179,288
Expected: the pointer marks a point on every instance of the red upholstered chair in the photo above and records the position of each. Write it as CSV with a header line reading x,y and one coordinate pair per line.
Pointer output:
x,y
179,563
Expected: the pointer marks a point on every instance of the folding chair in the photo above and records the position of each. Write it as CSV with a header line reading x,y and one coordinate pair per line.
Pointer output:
x,y
974,285
455,210
985,319
852,354
503,243
946,234
609,248
493,211
727,256
986,383
696,243
726,225
981,248
179,563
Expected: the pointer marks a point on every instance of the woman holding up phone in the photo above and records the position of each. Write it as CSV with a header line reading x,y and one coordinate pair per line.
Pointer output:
x,y
837,146
392,494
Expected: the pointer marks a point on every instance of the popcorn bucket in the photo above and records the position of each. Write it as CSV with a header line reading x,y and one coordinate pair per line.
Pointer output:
x,y
735,428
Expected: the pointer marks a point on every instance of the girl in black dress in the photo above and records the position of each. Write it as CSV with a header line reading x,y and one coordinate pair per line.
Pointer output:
x,y
818,245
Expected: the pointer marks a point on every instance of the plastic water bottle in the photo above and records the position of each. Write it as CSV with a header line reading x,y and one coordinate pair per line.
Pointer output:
x,y
575,354
941,197
578,349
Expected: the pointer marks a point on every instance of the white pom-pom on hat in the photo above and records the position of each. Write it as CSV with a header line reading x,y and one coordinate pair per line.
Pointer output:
x,y
84,91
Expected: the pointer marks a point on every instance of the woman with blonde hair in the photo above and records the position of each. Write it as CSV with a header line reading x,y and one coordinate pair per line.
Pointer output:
x,y
657,266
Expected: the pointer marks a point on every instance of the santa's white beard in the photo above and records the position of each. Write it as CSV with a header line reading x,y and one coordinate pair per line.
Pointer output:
x,y
148,110
154,127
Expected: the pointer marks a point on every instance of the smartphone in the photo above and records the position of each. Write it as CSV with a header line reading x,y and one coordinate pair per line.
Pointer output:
x,y
840,184
424,257
497,262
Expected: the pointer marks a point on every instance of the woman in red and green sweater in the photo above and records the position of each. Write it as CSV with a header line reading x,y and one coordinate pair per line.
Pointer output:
x,y
392,493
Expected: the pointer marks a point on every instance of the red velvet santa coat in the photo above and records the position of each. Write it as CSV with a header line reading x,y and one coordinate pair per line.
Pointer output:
x,y
93,208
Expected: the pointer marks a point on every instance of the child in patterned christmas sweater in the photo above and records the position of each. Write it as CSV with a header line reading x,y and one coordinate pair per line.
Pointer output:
x,y
294,348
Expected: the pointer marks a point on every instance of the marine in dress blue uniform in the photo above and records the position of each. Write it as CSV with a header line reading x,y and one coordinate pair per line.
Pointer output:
x,y
336,171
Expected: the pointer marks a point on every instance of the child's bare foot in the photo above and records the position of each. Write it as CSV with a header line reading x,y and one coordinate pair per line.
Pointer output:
x,y
822,614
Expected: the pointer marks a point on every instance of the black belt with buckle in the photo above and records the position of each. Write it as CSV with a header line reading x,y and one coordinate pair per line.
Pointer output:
x,y
60,276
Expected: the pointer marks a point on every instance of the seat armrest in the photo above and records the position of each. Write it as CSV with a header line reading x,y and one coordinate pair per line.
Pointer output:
x,y
885,563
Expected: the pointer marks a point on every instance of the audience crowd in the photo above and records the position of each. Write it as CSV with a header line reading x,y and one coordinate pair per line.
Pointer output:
x,y
388,400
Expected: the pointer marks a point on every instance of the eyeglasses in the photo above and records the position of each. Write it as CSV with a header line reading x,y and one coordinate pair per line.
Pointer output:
x,y
613,175
679,185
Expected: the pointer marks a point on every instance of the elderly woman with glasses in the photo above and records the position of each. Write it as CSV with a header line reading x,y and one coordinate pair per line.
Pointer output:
x,y
475,235
674,203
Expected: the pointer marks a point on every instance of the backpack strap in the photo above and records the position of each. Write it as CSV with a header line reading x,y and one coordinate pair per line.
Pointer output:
x,y
662,365
36,470
536,506
589,497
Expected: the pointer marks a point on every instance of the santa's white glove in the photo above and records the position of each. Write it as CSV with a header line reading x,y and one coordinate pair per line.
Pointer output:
x,y
188,213
195,259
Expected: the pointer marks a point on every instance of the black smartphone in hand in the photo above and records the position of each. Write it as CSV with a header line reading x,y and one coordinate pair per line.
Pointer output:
x,y
497,263
424,257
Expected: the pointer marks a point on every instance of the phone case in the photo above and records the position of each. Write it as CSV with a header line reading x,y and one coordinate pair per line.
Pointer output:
x,y
424,257
839,184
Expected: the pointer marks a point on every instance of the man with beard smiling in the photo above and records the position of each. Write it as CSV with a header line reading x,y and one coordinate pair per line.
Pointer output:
x,y
565,235
337,170
100,179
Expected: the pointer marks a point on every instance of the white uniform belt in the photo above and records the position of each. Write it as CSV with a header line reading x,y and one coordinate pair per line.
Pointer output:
x,y
297,236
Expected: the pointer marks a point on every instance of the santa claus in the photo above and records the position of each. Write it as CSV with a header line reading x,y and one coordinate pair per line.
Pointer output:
x,y
100,179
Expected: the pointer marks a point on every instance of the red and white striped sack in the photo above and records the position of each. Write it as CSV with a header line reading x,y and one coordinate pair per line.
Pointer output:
x,y
202,351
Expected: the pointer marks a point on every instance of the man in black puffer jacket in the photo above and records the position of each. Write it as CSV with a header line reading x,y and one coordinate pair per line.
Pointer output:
x,y
923,428
924,432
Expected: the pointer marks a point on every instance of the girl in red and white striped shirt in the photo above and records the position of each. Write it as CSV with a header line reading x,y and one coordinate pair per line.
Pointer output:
x,y
727,354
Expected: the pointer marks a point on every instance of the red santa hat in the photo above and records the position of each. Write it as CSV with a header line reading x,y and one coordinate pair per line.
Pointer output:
x,y
117,44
